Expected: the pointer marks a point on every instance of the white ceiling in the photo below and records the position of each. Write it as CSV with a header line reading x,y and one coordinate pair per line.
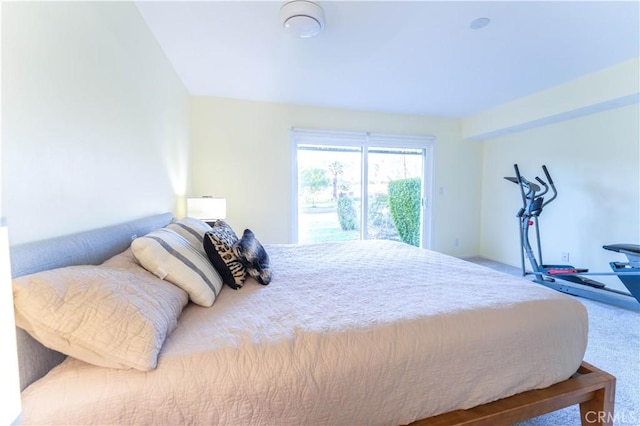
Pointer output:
x,y
416,57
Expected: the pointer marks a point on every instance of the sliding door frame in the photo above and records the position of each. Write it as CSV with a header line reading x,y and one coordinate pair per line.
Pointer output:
x,y
366,140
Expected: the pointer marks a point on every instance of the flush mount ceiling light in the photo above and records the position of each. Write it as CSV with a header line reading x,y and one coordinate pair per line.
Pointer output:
x,y
302,18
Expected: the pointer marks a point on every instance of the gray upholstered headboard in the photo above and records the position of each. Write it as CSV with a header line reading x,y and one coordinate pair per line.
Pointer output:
x,y
84,248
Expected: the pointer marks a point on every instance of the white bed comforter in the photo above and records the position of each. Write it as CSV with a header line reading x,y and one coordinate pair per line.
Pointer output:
x,y
367,332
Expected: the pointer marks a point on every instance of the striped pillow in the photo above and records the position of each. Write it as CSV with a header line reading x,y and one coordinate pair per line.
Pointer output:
x,y
170,256
192,230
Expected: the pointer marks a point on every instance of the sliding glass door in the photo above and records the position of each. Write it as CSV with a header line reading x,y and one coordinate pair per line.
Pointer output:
x,y
360,186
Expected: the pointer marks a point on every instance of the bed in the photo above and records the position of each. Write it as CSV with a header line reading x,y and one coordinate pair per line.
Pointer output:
x,y
363,332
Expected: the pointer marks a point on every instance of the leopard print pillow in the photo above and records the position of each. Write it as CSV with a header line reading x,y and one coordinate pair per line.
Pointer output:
x,y
218,244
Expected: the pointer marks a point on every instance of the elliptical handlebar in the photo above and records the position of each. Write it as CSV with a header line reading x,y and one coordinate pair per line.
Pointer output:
x,y
520,182
531,193
546,172
553,187
544,184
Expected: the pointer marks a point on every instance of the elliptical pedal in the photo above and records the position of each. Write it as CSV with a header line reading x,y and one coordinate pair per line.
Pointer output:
x,y
562,269
591,283
569,273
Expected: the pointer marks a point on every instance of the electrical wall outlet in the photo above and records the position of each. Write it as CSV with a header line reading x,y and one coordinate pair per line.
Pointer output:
x,y
565,256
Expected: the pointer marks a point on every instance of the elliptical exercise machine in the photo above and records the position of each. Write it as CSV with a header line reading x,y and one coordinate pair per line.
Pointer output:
x,y
573,280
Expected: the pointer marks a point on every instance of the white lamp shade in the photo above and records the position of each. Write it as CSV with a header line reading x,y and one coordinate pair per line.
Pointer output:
x,y
10,382
207,208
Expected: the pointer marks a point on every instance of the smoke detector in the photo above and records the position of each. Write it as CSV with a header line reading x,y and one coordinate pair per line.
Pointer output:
x,y
302,18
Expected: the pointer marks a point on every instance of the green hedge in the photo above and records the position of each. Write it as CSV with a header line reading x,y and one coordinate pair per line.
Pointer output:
x,y
404,204
347,215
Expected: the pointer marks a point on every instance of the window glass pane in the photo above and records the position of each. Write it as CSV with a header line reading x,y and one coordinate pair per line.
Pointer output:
x,y
329,188
395,194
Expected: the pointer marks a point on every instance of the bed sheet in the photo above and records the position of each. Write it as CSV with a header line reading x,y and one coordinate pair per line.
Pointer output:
x,y
362,332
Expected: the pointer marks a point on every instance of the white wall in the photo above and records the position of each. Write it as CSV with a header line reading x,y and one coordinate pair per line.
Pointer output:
x,y
595,164
95,126
241,150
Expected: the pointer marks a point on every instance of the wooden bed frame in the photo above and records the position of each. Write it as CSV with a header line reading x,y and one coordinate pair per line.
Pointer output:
x,y
590,387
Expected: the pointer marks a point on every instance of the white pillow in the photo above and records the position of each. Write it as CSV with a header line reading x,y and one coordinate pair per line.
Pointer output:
x,y
192,230
110,317
169,256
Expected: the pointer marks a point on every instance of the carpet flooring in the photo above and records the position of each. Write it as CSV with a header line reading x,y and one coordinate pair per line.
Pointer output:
x,y
613,346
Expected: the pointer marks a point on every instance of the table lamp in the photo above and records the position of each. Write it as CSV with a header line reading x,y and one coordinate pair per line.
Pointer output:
x,y
207,208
